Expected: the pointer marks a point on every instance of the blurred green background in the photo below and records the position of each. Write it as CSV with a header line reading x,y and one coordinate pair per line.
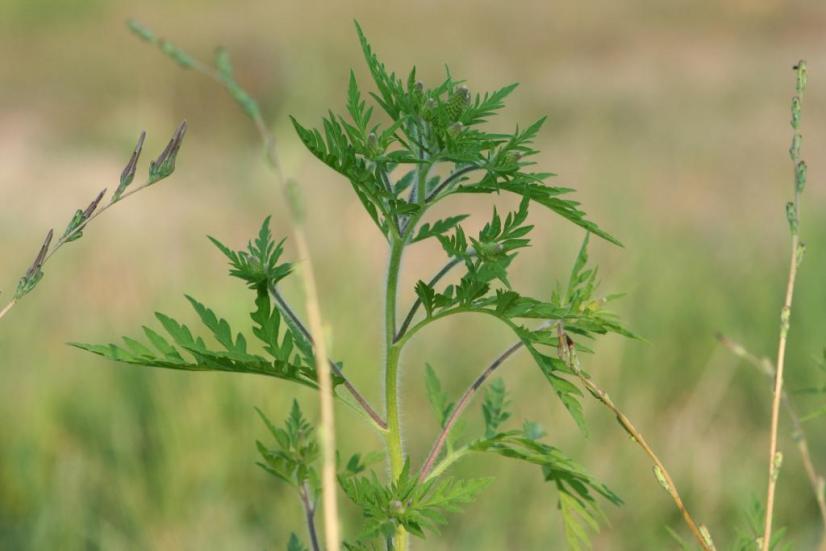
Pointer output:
x,y
671,121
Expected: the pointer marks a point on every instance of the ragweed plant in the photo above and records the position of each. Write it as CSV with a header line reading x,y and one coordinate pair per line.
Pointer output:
x,y
414,147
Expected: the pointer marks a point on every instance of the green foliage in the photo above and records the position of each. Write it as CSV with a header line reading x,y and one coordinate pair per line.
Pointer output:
x,y
428,127
258,265
486,259
437,397
295,453
284,363
750,531
493,407
290,357
576,488
417,507
433,143
295,544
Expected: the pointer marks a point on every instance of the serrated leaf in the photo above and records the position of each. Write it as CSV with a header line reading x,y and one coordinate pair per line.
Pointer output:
x,y
258,265
439,227
427,296
437,397
295,544
235,358
494,407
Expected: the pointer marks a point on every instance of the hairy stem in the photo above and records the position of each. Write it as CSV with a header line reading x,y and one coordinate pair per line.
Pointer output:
x,y
391,376
309,515
362,401
816,480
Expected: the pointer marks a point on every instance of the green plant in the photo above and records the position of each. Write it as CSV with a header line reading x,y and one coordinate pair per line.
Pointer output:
x,y
432,144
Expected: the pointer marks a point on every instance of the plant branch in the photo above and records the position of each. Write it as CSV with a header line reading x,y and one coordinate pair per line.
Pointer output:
x,y
92,211
463,402
793,217
449,180
417,304
700,532
309,515
362,401
798,435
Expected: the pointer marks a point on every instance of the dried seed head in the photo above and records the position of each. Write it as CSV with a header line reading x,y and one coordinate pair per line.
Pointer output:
x,y
128,173
34,274
164,165
418,87
93,205
41,255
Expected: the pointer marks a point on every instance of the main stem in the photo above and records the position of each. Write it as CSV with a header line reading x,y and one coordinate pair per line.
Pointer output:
x,y
391,375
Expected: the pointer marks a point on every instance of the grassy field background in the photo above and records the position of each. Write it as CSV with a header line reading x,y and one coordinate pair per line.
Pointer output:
x,y
670,120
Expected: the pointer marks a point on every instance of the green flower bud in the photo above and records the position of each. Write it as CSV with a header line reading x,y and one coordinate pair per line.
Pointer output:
x,y
457,102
